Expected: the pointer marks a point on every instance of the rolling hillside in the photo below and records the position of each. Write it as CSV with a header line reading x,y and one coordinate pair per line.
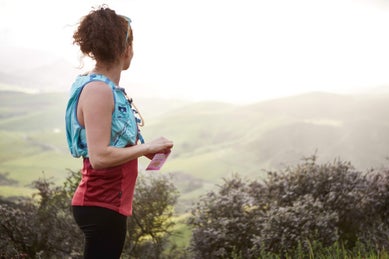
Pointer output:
x,y
281,132
212,140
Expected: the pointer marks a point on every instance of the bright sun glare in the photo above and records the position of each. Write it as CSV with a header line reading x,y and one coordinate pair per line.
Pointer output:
x,y
227,50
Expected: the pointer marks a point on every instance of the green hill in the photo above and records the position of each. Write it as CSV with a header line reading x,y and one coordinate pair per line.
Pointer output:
x,y
212,140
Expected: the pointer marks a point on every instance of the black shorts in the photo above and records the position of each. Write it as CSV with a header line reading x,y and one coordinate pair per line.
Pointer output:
x,y
104,231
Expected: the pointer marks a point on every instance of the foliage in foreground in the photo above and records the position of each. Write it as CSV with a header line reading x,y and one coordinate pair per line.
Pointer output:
x,y
151,223
43,226
308,211
304,210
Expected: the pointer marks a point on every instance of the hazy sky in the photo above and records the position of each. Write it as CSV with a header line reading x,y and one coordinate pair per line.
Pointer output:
x,y
228,50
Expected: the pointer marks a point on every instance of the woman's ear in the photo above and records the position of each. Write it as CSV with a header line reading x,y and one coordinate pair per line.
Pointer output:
x,y
128,54
129,51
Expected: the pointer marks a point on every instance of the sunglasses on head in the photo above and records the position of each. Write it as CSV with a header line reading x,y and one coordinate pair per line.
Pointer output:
x,y
129,22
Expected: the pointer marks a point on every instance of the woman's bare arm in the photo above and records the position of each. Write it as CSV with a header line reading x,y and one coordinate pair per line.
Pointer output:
x,y
95,114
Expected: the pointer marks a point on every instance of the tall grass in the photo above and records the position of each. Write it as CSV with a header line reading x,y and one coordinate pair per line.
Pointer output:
x,y
336,251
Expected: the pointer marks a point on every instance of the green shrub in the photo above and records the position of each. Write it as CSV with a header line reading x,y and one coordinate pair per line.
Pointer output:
x,y
225,222
292,210
43,226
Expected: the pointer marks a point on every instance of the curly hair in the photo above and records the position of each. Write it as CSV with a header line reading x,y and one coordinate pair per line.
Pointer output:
x,y
103,35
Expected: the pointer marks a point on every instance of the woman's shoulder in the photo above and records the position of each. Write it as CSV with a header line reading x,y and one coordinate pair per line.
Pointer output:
x,y
98,89
92,79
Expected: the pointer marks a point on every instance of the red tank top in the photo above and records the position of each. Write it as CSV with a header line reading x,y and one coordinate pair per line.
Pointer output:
x,y
111,188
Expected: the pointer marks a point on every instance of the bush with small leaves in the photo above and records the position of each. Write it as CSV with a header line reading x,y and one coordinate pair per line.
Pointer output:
x,y
357,198
293,210
225,222
41,227
285,228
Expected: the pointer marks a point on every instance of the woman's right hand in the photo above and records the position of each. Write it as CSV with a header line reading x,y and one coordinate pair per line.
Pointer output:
x,y
159,145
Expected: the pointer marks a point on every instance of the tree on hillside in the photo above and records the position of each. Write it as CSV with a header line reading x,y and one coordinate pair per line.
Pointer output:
x,y
297,208
149,227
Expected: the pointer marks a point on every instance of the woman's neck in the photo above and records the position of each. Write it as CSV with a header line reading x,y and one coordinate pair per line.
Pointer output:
x,y
112,72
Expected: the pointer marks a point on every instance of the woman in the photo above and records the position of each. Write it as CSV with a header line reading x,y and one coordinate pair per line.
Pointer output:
x,y
102,128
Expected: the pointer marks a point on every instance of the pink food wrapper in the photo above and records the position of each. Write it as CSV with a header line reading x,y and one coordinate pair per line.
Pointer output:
x,y
157,162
